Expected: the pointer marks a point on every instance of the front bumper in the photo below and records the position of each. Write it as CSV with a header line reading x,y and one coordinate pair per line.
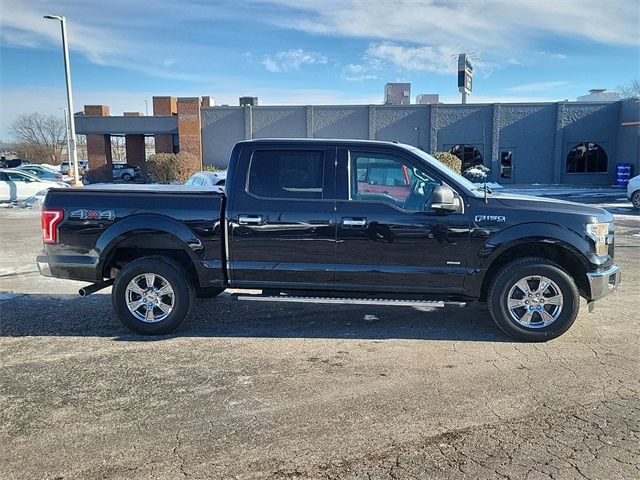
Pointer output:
x,y
603,282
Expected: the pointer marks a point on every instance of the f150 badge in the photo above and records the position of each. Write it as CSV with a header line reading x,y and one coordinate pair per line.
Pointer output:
x,y
84,214
490,218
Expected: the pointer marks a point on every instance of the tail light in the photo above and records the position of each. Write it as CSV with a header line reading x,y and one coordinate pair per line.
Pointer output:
x,y
51,217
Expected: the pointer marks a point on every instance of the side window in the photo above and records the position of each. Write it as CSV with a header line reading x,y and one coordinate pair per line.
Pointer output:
x,y
17,177
199,181
390,179
287,174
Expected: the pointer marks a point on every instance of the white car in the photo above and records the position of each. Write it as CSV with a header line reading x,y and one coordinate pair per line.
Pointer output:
x,y
633,191
43,173
16,185
216,179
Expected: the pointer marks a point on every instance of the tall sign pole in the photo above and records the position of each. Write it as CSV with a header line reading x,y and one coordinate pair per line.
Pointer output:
x,y
465,76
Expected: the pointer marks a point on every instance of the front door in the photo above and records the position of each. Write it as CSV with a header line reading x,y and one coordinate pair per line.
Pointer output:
x,y
388,237
282,218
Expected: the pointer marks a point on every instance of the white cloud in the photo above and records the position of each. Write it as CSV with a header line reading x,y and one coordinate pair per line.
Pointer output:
x,y
289,60
431,59
482,25
539,86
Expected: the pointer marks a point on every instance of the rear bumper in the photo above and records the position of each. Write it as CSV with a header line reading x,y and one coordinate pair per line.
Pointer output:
x,y
71,267
602,283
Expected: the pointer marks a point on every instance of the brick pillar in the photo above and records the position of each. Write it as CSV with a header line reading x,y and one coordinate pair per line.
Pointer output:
x,y
189,130
164,106
99,149
135,148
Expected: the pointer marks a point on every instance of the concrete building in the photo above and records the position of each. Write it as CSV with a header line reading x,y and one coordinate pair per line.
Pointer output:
x,y
397,94
427,98
599,95
546,143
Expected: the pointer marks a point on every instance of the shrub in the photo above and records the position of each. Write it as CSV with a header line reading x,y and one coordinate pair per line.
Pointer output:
x,y
169,167
450,160
477,173
211,168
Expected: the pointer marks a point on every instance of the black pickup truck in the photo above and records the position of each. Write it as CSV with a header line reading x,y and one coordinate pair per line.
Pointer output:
x,y
332,221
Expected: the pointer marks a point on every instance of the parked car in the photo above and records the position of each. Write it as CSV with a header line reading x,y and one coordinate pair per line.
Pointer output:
x,y
125,172
208,179
43,173
16,185
633,191
293,223
12,163
53,168
65,168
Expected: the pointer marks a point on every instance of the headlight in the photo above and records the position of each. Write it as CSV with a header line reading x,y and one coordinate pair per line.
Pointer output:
x,y
599,232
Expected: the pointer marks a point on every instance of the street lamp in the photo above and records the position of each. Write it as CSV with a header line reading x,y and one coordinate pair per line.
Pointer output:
x,y
66,134
73,155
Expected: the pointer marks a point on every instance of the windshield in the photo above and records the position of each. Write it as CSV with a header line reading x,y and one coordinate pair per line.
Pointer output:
x,y
442,168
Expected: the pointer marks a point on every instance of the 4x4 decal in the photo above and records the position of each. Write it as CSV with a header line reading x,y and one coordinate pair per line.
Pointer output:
x,y
84,214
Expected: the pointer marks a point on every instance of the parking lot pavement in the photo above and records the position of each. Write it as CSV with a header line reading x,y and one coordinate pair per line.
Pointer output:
x,y
283,391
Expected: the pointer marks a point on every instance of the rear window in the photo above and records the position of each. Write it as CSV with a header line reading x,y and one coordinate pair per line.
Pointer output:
x,y
287,174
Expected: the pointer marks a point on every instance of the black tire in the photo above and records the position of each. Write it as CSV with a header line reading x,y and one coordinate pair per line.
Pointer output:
x,y
507,278
169,271
126,177
635,199
208,292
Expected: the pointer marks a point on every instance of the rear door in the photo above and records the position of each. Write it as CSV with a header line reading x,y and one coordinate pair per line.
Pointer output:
x,y
388,237
282,217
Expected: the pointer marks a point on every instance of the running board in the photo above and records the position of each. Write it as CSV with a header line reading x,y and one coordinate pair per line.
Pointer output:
x,y
348,301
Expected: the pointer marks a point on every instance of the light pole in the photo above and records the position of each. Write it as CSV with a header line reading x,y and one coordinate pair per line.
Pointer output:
x,y
66,134
73,155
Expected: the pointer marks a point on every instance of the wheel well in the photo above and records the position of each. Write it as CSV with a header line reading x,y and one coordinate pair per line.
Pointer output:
x,y
555,253
155,244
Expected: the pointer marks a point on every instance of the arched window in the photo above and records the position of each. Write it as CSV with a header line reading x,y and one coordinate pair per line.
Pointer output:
x,y
587,157
468,154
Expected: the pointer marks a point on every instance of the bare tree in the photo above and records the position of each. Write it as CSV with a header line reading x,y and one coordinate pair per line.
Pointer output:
x,y
630,90
118,149
40,138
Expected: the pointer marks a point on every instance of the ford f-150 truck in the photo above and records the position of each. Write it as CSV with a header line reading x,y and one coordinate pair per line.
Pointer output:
x,y
332,221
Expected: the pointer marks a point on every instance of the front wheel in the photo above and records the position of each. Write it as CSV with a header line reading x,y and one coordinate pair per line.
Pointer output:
x,y
533,299
126,177
152,295
635,199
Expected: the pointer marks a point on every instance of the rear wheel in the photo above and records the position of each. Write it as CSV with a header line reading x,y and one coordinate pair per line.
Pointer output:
x,y
533,299
152,295
126,177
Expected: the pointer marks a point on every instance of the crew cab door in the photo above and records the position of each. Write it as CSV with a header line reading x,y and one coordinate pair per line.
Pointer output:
x,y
282,217
388,237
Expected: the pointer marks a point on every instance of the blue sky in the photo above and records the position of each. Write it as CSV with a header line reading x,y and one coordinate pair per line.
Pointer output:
x,y
310,51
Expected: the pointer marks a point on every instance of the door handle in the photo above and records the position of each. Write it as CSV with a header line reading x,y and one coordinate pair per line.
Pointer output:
x,y
354,222
250,219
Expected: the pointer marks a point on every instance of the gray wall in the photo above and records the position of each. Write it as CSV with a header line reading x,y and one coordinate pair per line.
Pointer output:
x,y
540,135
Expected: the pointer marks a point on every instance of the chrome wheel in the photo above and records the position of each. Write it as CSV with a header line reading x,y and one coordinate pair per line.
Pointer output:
x,y
150,297
535,301
635,199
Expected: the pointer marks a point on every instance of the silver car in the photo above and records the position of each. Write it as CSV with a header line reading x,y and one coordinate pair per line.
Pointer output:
x,y
125,172
216,179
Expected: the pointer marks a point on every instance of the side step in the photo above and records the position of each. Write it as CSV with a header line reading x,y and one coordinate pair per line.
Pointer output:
x,y
348,301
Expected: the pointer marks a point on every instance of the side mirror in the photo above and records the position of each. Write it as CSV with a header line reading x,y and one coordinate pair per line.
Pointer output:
x,y
443,200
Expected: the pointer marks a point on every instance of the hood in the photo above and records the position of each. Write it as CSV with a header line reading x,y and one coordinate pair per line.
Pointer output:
x,y
553,205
